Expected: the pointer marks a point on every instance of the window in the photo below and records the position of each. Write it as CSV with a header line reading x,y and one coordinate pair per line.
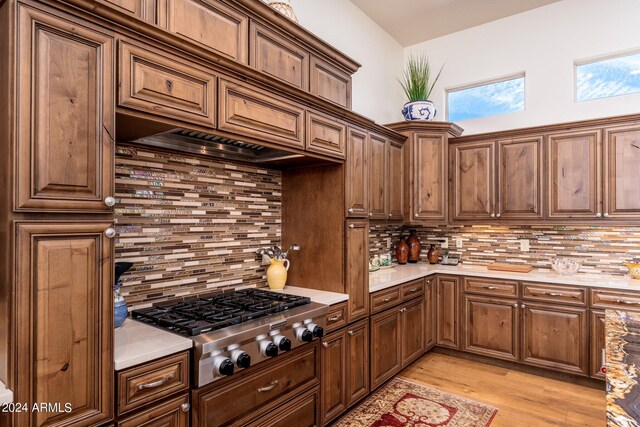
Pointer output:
x,y
486,99
608,77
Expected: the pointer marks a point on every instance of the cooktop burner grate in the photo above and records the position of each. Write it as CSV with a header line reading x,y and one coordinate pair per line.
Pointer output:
x,y
198,315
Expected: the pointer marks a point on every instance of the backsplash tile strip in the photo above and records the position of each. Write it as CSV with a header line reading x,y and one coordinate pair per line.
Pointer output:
x,y
602,250
191,225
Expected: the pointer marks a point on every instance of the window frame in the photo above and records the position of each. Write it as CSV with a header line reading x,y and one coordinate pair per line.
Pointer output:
x,y
600,58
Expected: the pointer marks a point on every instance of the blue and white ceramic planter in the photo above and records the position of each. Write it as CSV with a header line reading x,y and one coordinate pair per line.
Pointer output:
x,y
419,110
120,313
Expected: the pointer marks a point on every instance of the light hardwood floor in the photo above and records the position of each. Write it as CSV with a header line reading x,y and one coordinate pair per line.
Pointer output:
x,y
523,400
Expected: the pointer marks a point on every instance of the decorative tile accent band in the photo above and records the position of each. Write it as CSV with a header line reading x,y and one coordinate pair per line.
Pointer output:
x,y
602,250
190,224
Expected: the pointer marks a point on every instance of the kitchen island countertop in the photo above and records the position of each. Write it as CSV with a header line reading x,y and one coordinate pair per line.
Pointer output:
x,y
6,395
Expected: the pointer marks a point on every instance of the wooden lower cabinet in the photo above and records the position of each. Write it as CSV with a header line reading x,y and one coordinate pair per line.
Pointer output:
x,y
386,346
303,411
597,344
412,331
334,367
357,362
448,311
556,337
491,326
172,413
430,313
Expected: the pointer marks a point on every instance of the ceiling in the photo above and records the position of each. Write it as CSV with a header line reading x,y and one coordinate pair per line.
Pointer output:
x,y
415,21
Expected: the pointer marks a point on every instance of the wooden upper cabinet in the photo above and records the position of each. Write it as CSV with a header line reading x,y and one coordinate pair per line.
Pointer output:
x,y
330,83
574,169
520,178
622,173
357,272
395,193
247,110
64,323
357,174
378,177
429,173
473,169
279,57
210,24
326,135
145,10
65,103
157,84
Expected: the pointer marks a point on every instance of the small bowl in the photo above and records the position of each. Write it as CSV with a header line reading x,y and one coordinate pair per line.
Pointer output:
x,y
565,266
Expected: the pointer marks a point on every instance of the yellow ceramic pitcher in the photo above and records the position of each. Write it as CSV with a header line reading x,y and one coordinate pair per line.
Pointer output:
x,y
634,269
277,273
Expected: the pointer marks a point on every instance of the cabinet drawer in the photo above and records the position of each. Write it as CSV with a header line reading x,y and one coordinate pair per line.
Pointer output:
x,y
615,299
250,111
326,135
412,289
555,294
303,411
257,393
165,86
330,83
337,317
143,384
385,299
490,287
174,413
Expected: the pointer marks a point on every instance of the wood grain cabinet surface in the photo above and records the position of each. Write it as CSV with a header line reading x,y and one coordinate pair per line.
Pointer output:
x,y
357,174
330,83
430,313
357,271
146,10
378,176
170,413
303,411
396,191
447,294
621,173
334,375
428,169
326,135
473,172
357,362
65,113
597,344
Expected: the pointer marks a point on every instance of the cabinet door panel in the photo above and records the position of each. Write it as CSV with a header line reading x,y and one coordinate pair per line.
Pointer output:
x,y
141,9
520,179
597,336
473,180
357,174
386,346
448,311
622,174
413,320
556,337
395,192
325,135
491,327
330,83
64,322
357,286
334,364
429,177
357,362
430,312
166,414
377,176
574,182
65,114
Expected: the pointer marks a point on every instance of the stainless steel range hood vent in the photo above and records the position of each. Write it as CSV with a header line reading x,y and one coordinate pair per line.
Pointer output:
x,y
188,141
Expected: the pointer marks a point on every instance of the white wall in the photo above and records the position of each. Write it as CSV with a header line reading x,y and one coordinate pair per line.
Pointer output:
x,y
543,43
342,24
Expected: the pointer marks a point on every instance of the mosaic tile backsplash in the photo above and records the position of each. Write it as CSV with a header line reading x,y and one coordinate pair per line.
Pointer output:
x,y
602,250
191,225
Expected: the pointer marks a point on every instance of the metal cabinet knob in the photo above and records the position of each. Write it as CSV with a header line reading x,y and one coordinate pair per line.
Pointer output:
x,y
523,306
492,215
416,215
598,214
351,226
110,232
370,213
185,407
109,201
497,215
350,210
606,214
515,305
350,332
390,215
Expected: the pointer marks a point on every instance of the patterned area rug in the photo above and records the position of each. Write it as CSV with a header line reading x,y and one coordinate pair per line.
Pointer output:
x,y
402,403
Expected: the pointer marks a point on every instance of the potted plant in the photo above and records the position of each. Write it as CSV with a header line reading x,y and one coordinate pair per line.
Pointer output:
x,y
417,83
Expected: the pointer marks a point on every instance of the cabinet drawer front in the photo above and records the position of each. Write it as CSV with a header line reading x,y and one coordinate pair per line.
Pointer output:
x,y
337,317
556,294
301,412
385,299
412,289
141,385
250,111
257,391
330,83
326,135
163,86
278,57
490,287
171,413
615,299
141,9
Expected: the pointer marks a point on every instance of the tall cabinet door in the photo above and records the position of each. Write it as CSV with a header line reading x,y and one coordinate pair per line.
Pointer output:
x,y
65,114
574,180
395,198
357,174
334,364
520,179
448,311
64,323
377,176
357,271
472,166
621,173
357,362
429,170
413,320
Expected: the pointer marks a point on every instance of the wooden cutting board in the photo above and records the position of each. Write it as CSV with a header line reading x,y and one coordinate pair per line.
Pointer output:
x,y
518,268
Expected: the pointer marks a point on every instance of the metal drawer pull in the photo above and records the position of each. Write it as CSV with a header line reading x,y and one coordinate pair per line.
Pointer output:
x,y
414,290
490,287
554,294
386,300
334,318
157,383
626,302
269,387
185,407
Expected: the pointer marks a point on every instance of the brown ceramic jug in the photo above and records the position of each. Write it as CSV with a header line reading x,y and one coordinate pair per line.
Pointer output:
x,y
414,247
402,251
433,255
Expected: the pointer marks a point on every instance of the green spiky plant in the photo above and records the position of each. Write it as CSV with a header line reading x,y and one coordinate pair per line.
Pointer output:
x,y
416,81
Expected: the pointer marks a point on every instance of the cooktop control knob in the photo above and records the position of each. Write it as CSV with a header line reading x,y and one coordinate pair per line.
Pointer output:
x,y
223,366
242,359
304,335
283,343
316,330
268,349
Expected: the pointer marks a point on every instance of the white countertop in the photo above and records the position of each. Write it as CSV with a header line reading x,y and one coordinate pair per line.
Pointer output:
x,y
6,395
137,342
322,297
383,279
